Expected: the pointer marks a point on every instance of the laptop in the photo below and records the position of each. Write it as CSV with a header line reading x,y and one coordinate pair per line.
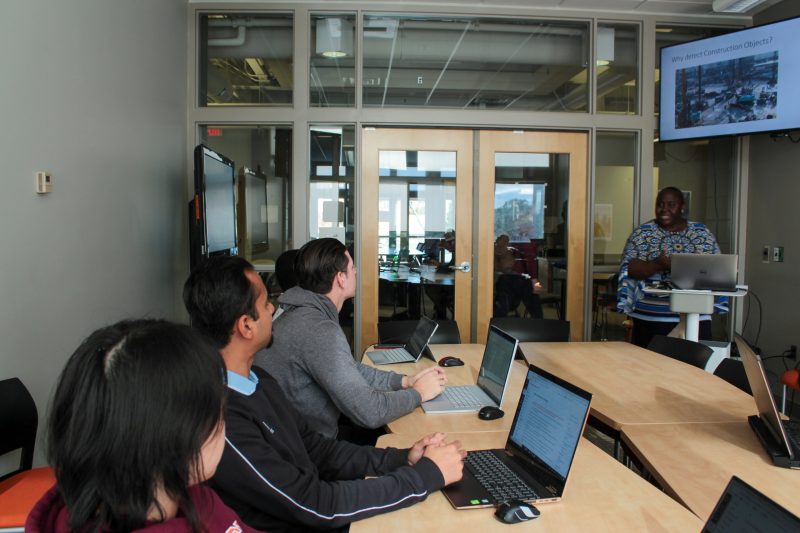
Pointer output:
x,y
412,350
743,509
537,458
492,379
780,438
713,272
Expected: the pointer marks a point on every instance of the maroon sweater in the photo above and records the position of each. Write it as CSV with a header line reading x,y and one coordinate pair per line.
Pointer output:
x,y
50,515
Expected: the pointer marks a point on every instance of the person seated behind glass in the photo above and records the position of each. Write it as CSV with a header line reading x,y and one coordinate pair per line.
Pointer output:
x,y
135,426
442,295
511,287
646,259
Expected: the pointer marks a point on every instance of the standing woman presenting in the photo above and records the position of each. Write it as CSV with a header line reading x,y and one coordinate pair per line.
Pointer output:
x,y
646,259
134,428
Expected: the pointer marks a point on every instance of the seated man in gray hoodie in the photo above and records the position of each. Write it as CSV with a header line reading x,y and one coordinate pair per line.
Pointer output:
x,y
311,359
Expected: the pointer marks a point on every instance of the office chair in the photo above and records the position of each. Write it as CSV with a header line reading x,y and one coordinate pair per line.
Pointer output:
x,y
533,329
399,332
284,270
732,371
21,488
689,352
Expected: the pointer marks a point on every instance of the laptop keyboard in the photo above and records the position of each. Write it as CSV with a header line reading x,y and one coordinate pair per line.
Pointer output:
x,y
497,478
396,355
464,396
793,432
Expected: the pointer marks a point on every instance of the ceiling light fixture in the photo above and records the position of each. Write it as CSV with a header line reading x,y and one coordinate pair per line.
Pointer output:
x,y
734,6
334,37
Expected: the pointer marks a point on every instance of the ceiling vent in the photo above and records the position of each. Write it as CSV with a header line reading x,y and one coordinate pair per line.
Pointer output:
x,y
734,6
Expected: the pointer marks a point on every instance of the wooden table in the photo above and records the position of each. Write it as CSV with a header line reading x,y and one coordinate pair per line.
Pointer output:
x,y
694,462
601,495
632,385
419,423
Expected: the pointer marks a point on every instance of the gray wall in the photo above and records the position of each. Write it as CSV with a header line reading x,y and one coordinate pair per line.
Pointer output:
x,y
93,91
772,220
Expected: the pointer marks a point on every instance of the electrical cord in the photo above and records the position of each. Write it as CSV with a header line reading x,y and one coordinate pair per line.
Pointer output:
x,y
747,317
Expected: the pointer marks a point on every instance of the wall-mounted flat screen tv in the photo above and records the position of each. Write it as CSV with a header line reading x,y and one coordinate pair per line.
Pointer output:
x,y
214,182
743,82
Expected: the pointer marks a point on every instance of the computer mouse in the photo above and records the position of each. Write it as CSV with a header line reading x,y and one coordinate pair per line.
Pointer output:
x,y
490,413
516,511
450,361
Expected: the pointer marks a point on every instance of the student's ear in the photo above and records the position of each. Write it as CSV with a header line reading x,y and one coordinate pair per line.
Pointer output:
x,y
243,327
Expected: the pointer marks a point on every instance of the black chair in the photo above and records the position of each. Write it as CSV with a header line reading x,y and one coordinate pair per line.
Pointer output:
x,y
284,270
22,488
733,372
399,332
19,421
690,352
533,329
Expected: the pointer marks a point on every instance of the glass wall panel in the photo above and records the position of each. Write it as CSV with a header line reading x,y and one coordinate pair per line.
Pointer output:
x,y
263,157
467,62
613,221
617,68
332,75
416,236
245,59
530,221
331,206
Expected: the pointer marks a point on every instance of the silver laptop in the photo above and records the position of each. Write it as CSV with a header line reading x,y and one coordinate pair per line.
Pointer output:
x,y
412,350
714,272
492,379
779,437
537,459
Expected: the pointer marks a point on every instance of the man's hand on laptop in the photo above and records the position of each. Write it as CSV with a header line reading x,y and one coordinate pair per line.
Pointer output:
x,y
449,458
429,383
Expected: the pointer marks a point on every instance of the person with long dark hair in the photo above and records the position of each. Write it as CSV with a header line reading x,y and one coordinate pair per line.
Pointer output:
x,y
134,428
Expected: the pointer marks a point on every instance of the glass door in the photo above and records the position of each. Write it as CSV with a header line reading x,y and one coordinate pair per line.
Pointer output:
x,y
531,242
416,207
438,241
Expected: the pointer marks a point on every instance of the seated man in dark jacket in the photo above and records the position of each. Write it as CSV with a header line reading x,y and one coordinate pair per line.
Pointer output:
x,y
277,473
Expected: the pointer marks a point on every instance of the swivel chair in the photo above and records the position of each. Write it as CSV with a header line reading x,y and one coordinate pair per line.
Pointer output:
x,y
689,352
533,329
399,332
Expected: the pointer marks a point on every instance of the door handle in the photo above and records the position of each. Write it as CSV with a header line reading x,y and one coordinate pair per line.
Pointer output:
x,y
463,267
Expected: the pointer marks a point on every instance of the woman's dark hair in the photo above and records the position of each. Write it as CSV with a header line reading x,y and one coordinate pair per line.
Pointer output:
x,y
317,263
284,270
131,411
217,293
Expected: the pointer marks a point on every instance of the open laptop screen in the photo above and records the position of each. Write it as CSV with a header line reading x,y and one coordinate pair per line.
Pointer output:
x,y
422,334
741,508
549,421
767,410
497,358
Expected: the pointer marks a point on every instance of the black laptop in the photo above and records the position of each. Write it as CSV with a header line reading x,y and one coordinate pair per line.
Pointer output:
x,y
539,451
412,350
743,509
780,438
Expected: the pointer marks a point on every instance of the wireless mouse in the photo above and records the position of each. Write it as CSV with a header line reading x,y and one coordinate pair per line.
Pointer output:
x,y
450,361
490,413
516,511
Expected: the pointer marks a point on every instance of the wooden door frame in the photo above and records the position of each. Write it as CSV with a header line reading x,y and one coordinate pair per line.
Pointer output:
x,y
575,145
449,140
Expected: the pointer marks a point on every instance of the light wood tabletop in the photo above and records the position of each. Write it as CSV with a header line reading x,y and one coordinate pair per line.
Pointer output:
x,y
418,423
601,495
694,462
632,385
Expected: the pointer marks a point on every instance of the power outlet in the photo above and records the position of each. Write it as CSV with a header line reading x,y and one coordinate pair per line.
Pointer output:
x,y
777,254
765,254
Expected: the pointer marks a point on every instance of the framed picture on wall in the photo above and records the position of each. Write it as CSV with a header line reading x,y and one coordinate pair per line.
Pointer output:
x,y
603,218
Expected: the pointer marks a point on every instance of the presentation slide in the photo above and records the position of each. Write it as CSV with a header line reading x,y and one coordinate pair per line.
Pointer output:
x,y
738,83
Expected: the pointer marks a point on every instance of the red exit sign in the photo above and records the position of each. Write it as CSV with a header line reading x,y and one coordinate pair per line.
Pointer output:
x,y
214,132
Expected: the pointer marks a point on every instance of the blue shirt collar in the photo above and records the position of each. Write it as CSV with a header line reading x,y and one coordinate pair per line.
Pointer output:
x,y
241,384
